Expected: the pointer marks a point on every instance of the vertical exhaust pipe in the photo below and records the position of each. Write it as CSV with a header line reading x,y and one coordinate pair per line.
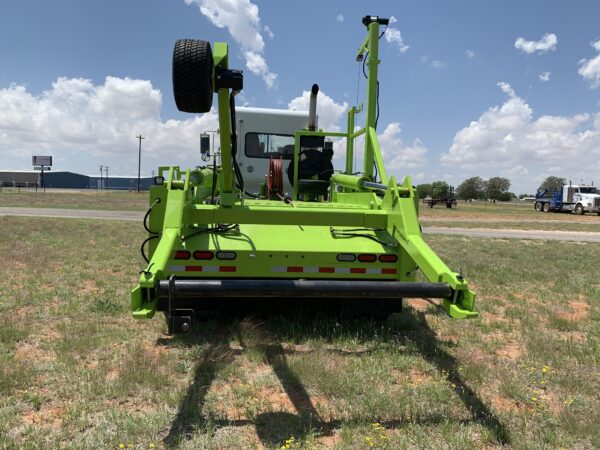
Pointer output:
x,y
312,110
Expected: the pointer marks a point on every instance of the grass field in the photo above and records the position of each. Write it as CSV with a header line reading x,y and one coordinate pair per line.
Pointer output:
x,y
85,199
77,371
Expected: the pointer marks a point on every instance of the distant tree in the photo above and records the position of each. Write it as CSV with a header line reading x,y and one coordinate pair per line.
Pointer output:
x,y
497,187
552,183
471,188
438,188
507,197
423,190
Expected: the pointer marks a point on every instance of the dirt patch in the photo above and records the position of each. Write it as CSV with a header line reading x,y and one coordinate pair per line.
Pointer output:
x,y
89,287
23,311
154,352
413,377
291,349
32,353
512,350
112,375
277,400
575,336
51,416
331,440
579,311
420,304
505,404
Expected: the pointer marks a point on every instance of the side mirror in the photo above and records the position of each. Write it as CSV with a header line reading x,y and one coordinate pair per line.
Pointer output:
x,y
205,147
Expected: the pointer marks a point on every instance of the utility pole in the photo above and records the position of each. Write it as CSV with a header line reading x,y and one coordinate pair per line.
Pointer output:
x,y
140,137
106,177
101,167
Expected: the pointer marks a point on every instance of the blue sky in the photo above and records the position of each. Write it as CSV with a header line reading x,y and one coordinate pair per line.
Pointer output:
x,y
458,98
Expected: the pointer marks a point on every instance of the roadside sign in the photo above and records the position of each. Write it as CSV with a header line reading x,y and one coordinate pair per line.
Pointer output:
x,y
42,160
45,169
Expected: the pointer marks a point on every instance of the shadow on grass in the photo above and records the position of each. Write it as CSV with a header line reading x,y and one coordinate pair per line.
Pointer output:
x,y
274,428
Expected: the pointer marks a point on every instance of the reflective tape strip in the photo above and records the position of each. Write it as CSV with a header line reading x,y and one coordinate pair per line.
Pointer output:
x,y
210,268
177,268
345,270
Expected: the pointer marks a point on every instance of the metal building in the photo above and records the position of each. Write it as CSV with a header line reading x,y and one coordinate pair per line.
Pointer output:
x,y
19,178
70,180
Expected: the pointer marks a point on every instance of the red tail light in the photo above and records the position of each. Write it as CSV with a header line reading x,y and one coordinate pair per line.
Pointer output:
x,y
388,258
367,257
203,255
182,254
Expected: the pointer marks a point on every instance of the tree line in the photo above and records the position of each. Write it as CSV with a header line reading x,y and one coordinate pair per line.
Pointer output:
x,y
476,188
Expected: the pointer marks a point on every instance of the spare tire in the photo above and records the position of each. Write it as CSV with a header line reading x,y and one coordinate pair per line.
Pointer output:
x,y
192,75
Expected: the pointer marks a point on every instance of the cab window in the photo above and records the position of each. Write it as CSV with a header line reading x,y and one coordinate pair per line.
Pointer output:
x,y
264,145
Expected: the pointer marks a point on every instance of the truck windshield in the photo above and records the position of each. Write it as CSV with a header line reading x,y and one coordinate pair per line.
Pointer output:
x,y
588,190
264,145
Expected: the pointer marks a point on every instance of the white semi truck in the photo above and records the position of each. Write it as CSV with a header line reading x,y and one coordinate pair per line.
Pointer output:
x,y
570,198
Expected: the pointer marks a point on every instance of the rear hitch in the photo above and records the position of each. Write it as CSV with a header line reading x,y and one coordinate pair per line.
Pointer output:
x,y
179,321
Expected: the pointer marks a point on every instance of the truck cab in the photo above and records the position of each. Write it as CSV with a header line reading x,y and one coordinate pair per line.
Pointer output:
x,y
583,198
570,198
264,134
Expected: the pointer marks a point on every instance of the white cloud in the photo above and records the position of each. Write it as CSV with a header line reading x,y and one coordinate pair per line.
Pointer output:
x,y
438,64
546,43
340,18
470,54
242,20
257,64
396,154
83,123
268,31
434,64
545,76
329,112
507,139
590,69
393,36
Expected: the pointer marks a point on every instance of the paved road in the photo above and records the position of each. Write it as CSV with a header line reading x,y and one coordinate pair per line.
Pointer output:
x,y
545,235
72,213
587,219
578,236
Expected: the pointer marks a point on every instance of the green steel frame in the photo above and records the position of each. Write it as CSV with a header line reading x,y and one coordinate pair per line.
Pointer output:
x,y
180,206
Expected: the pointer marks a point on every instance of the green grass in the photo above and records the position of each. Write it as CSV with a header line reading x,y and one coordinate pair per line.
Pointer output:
x,y
85,199
77,371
